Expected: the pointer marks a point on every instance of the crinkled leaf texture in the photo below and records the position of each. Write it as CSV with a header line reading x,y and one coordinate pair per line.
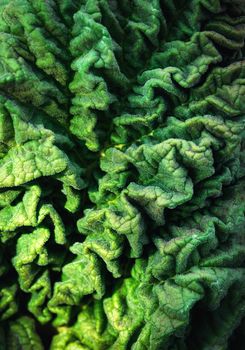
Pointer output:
x,y
122,193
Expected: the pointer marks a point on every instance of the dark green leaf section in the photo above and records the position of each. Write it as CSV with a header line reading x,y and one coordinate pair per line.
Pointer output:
x,y
124,38
174,170
197,261
22,335
121,174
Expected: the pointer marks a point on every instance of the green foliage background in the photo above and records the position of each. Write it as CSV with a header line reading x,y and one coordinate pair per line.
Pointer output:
x,y
122,174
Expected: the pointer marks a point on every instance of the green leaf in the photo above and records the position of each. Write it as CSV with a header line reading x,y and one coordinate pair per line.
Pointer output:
x,y
22,335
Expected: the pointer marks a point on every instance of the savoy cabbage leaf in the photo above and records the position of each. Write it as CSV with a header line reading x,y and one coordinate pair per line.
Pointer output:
x,y
122,174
